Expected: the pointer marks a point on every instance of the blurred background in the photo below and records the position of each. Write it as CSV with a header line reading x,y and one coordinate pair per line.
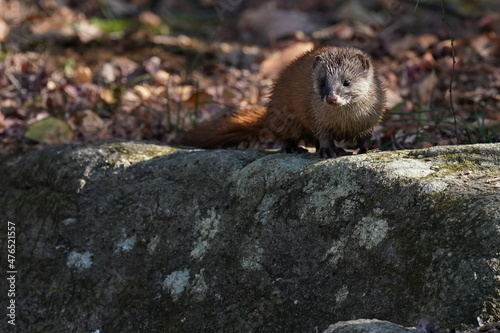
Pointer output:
x,y
87,71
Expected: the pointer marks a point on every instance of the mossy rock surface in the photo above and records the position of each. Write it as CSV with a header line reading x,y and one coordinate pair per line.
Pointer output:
x,y
136,237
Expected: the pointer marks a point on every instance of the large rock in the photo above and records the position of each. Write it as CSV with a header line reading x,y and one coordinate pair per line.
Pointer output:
x,y
130,237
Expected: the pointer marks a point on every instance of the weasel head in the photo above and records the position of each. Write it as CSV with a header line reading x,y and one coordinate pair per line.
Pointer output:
x,y
342,76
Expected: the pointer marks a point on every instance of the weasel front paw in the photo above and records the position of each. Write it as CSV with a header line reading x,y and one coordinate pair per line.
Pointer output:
x,y
291,147
327,149
329,152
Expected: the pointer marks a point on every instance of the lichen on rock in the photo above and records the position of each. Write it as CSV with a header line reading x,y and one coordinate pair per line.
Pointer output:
x,y
135,237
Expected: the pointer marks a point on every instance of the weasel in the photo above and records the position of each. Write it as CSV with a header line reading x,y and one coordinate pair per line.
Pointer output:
x,y
325,95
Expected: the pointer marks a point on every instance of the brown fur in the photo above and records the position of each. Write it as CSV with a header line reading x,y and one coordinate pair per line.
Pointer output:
x,y
228,130
310,102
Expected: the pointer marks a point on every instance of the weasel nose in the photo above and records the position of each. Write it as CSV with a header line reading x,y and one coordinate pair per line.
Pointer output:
x,y
332,99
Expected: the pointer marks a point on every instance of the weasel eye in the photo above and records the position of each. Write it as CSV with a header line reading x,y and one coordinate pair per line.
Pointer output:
x,y
323,82
347,83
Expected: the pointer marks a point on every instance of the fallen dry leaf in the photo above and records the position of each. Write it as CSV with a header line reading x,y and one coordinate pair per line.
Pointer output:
x,y
150,18
426,41
484,45
58,26
109,73
426,87
4,30
90,125
428,61
87,32
49,130
392,98
80,74
268,22
181,93
397,48
107,96
162,77
131,99
143,92
3,125
275,62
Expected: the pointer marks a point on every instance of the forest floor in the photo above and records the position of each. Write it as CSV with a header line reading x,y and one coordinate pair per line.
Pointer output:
x,y
71,76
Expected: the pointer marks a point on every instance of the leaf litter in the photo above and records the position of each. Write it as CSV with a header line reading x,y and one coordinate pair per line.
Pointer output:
x,y
70,74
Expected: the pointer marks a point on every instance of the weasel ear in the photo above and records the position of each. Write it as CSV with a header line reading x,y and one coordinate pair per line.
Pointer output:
x,y
317,60
365,62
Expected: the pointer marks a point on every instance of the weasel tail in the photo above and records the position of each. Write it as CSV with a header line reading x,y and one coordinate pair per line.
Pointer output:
x,y
242,126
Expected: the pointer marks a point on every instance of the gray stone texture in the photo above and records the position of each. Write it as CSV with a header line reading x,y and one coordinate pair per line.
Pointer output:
x,y
133,237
